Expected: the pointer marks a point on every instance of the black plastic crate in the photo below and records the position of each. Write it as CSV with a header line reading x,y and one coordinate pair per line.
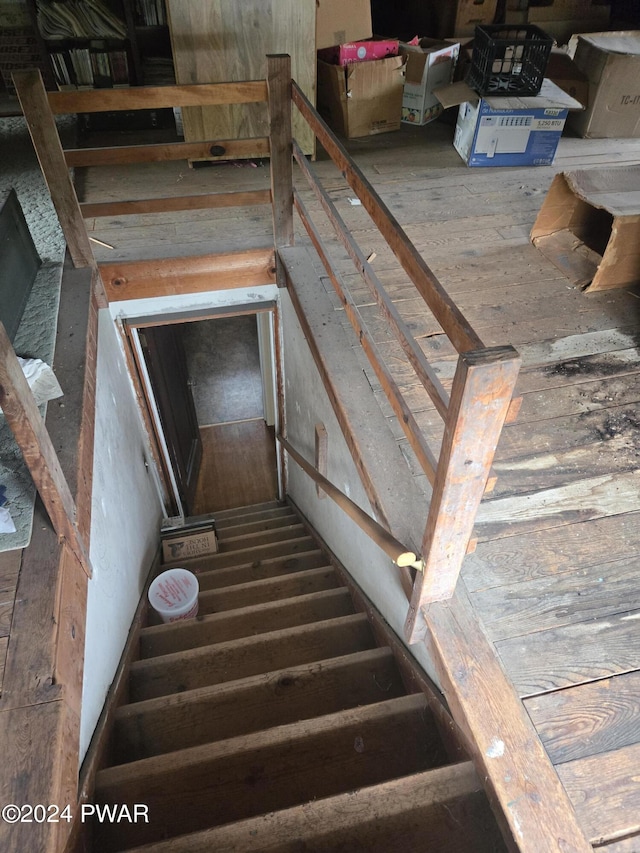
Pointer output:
x,y
509,60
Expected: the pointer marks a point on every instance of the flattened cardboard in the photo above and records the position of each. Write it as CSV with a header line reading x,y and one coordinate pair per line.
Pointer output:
x,y
611,61
589,227
339,22
430,65
362,98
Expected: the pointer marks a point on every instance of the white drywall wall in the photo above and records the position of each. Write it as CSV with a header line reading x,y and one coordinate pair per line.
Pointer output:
x,y
306,403
125,523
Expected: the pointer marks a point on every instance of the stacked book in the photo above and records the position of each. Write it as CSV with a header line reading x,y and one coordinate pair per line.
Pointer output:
x,y
79,19
151,13
96,66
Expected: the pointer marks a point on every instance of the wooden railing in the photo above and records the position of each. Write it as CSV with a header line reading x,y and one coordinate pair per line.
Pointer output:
x,y
475,408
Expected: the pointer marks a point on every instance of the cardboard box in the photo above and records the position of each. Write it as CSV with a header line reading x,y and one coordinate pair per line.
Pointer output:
x,y
339,22
566,74
184,546
611,61
359,51
430,65
362,98
562,10
461,17
504,131
589,227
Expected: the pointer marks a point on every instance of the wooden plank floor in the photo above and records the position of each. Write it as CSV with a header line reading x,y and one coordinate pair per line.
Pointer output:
x,y
554,579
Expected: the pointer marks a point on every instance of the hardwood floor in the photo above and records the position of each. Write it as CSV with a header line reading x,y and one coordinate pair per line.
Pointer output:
x,y
238,466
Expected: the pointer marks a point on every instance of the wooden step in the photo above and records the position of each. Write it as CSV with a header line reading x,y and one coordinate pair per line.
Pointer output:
x,y
250,509
259,515
245,622
262,569
221,662
257,702
250,527
261,537
269,589
442,810
258,773
253,554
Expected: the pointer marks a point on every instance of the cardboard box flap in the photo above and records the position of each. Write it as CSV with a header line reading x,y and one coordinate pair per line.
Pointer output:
x,y
551,97
456,94
418,56
616,190
626,42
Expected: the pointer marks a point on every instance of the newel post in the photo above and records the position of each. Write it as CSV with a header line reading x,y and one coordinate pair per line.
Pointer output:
x,y
482,389
281,153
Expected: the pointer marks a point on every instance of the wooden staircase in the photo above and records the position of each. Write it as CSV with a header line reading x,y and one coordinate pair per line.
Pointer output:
x,y
274,722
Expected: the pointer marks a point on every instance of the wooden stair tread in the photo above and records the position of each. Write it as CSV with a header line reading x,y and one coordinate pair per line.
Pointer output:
x,y
245,622
246,528
174,673
258,515
442,810
268,589
253,554
261,537
237,512
257,773
261,569
257,702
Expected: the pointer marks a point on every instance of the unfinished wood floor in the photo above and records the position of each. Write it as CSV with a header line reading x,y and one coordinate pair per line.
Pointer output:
x,y
555,576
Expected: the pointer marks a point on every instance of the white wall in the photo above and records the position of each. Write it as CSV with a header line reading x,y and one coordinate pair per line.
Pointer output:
x,y
125,524
307,404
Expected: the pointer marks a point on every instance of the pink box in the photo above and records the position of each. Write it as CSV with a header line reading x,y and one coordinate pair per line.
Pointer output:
x,y
359,51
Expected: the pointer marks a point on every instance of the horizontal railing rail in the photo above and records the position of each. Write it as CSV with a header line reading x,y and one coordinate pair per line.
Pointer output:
x,y
477,406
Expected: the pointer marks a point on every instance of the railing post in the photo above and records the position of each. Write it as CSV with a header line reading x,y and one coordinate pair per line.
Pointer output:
x,y
482,388
24,420
44,134
279,88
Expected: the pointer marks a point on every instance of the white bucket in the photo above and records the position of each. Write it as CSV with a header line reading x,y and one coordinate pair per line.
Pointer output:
x,y
174,595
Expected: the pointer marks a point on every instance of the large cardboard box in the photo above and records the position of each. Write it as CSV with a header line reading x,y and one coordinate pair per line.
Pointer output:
x,y
562,10
589,226
430,65
611,61
460,17
339,22
362,98
566,74
508,131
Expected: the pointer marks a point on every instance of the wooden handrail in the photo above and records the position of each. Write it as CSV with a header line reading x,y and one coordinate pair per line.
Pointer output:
x,y
388,543
157,97
446,312
221,149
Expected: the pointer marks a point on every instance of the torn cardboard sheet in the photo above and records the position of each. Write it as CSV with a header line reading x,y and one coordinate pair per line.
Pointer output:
x,y
589,226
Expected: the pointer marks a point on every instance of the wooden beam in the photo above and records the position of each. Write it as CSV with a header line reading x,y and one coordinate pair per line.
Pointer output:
x,y
157,97
203,201
443,308
480,397
527,796
168,276
24,420
221,149
46,141
382,538
279,87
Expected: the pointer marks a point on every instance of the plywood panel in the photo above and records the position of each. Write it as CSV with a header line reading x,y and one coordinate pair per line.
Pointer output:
x,y
224,40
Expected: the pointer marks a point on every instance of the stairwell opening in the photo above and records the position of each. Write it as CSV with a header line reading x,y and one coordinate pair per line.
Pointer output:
x,y
209,390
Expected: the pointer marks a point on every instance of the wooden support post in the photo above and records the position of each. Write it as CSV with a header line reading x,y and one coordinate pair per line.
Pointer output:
x,y
322,448
44,133
23,418
480,397
279,88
